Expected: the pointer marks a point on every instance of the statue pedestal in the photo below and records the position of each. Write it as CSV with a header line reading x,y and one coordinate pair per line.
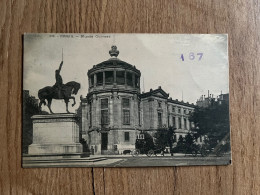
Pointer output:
x,y
55,134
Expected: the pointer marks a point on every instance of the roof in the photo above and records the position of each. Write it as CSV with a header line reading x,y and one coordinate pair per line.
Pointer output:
x,y
162,94
157,92
114,63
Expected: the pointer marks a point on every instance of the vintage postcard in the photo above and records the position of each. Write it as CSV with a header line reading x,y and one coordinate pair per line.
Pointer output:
x,y
125,100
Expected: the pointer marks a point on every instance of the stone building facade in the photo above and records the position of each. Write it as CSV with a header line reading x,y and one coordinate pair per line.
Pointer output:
x,y
114,112
160,111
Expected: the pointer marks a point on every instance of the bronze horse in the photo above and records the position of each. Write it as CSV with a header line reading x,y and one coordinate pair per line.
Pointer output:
x,y
48,93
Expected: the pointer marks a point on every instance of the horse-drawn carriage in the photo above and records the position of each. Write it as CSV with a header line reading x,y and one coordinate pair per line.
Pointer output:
x,y
144,145
205,150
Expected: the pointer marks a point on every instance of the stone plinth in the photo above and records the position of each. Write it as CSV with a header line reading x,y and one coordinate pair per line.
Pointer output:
x,y
55,134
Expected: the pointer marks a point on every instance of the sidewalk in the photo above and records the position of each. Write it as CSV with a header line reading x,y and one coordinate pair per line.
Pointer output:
x,y
176,155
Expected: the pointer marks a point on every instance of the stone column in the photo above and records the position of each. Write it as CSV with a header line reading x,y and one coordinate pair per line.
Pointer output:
x,y
133,80
182,122
104,79
84,118
111,109
114,77
150,101
125,79
188,124
94,111
95,80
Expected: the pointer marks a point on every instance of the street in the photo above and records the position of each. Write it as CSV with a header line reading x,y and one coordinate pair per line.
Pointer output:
x,y
171,161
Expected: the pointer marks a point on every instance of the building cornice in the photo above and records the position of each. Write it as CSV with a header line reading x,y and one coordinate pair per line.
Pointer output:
x,y
114,63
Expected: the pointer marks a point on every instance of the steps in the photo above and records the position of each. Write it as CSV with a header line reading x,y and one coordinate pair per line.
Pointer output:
x,y
45,161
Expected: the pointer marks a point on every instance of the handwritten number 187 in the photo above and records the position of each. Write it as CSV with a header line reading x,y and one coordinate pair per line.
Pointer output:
x,y
192,56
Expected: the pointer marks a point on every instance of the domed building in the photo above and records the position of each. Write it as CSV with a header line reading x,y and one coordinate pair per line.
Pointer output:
x,y
114,112
111,111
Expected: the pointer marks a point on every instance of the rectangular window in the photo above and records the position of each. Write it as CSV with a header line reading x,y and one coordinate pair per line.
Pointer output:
x,y
179,123
120,77
104,117
127,137
173,121
104,103
109,77
159,119
126,103
179,110
185,123
100,78
173,109
104,111
129,79
126,117
159,104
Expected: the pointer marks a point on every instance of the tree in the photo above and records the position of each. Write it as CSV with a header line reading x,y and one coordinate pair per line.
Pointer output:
x,y
187,145
189,139
30,108
180,145
212,122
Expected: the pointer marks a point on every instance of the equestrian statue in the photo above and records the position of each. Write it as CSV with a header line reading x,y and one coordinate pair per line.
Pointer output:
x,y
59,91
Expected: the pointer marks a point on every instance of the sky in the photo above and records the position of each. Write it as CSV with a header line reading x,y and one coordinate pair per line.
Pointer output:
x,y
164,60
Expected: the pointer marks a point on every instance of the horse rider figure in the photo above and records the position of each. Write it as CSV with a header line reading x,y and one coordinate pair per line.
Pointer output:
x,y
59,83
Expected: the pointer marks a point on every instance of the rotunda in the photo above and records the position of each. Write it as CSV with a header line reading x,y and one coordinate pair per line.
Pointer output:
x,y
111,111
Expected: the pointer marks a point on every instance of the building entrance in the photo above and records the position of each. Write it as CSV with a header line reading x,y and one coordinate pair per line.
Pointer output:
x,y
104,140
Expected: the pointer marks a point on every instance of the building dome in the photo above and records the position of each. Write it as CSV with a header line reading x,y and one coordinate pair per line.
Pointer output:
x,y
114,74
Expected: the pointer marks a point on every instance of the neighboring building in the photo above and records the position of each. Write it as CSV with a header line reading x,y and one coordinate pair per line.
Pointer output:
x,y
32,99
210,100
206,102
114,111
160,111
223,98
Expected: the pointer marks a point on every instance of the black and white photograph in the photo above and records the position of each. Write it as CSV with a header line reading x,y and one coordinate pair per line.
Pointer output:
x,y
125,100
